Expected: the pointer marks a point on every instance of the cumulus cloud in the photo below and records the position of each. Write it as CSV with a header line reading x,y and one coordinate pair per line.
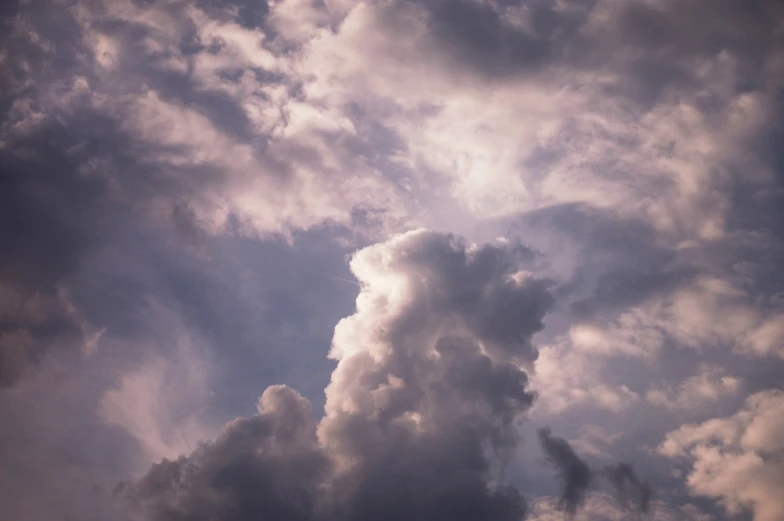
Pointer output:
x,y
582,99
421,411
632,143
568,376
210,107
704,312
268,465
600,506
709,385
738,459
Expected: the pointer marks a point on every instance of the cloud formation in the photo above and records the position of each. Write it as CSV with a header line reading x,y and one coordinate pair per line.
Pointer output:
x,y
577,479
46,225
575,475
220,157
737,459
421,411
632,492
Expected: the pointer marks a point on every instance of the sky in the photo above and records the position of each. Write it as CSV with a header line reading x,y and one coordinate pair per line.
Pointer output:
x,y
381,260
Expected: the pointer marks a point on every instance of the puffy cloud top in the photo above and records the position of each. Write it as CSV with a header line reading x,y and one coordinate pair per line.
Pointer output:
x,y
421,411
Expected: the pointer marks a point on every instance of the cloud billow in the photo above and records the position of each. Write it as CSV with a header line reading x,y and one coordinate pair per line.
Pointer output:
x,y
632,144
421,411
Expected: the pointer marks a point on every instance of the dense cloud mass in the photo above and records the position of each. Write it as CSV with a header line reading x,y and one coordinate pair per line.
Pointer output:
x,y
421,410
558,213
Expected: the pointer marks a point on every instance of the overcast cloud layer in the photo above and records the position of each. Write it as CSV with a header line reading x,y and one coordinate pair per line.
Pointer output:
x,y
483,260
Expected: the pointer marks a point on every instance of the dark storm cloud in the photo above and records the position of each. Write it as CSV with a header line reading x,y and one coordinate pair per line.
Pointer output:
x,y
419,420
48,220
575,475
61,201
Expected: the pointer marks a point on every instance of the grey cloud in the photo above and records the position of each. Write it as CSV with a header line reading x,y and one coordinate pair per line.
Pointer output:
x,y
31,323
443,422
419,420
116,73
60,207
620,263
451,382
631,491
577,478
650,47
248,13
575,475
48,220
480,36
266,466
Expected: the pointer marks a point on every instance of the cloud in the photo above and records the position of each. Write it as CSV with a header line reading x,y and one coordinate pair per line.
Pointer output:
x,y
600,506
267,465
633,493
47,212
594,440
577,478
161,403
421,411
588,118
737,459
632,144
709,385
567,376
207,97
575,475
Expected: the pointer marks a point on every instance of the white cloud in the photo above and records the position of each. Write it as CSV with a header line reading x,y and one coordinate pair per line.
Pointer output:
x,y
737,459
566,377
707,387
602,507
161,403
595,441
548,136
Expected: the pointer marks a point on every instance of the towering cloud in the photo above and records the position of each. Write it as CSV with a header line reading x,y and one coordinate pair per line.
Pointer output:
x,y
421,411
